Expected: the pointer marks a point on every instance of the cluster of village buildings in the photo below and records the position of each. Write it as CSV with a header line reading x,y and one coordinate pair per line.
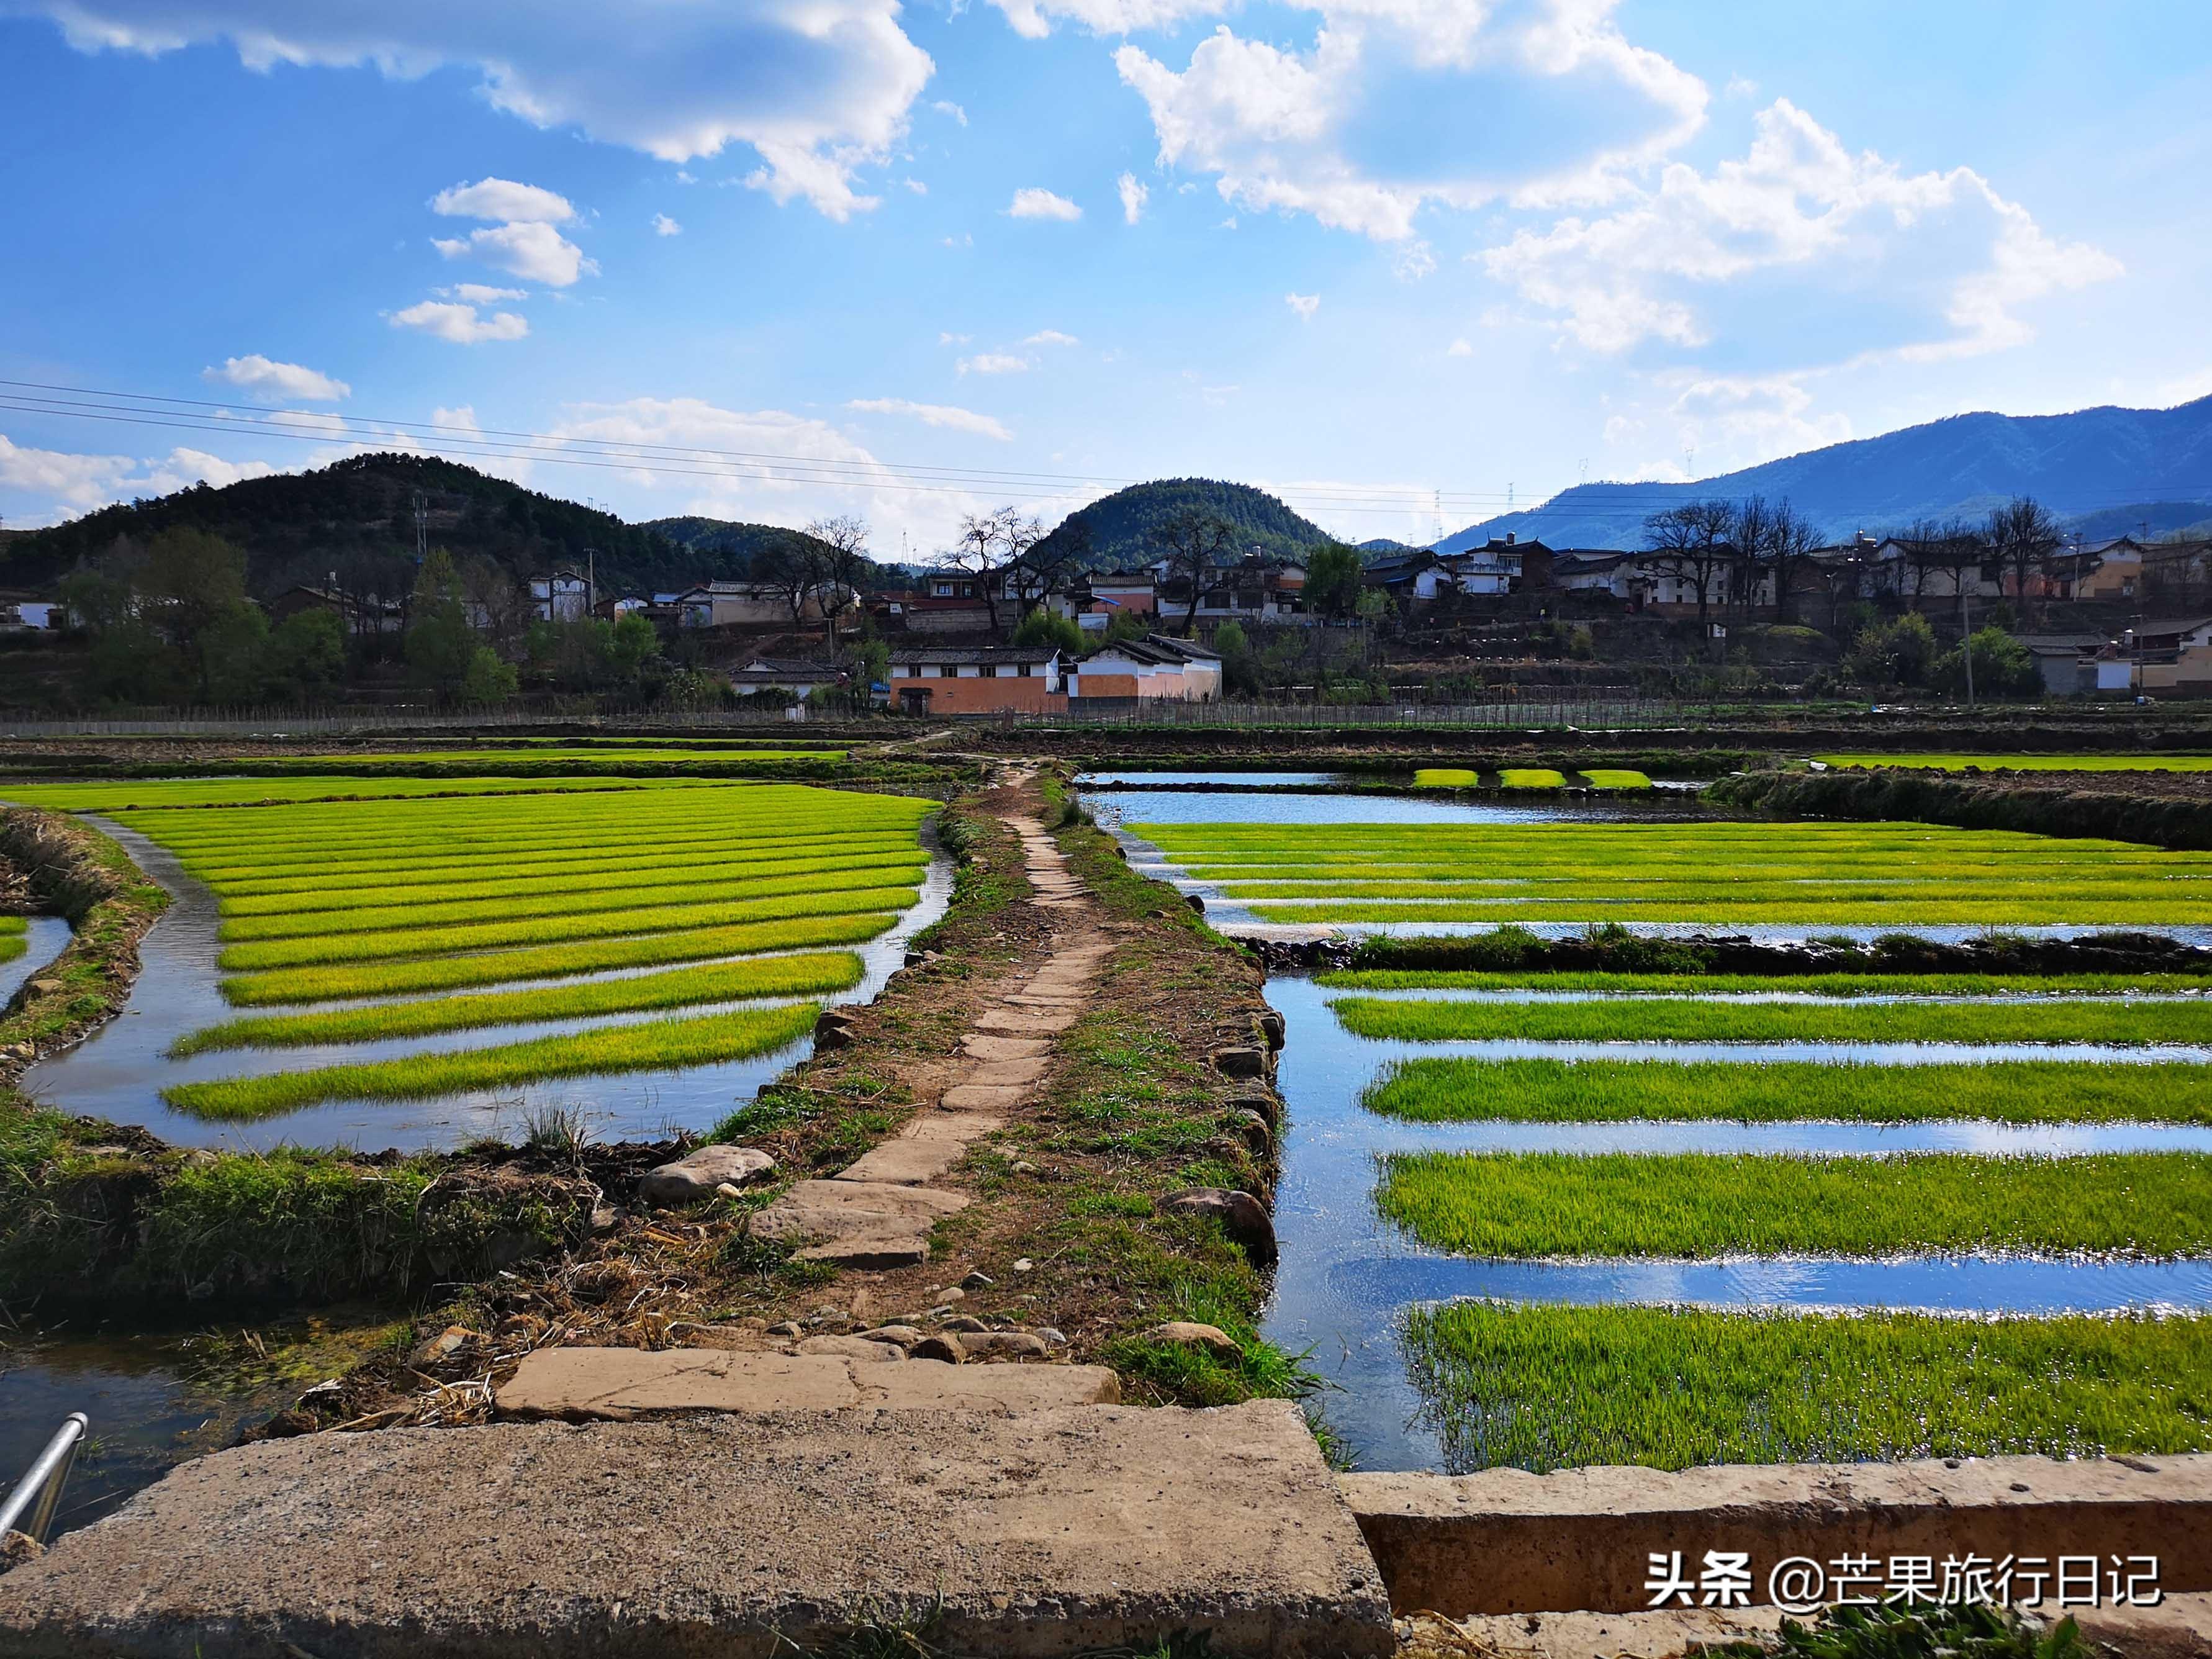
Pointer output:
x,y
943,631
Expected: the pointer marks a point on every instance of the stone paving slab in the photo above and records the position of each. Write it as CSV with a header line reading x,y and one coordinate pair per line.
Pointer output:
x,y
1032,1534
1008,1073
925,1149
981,1047
979,1098
864,1223
1026,1019
618,1384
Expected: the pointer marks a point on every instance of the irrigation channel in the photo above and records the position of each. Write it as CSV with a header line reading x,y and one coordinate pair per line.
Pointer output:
x,y
118,1074
45,938
1349,1276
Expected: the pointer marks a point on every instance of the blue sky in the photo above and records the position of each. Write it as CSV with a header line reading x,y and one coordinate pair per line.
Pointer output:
x,y
937,258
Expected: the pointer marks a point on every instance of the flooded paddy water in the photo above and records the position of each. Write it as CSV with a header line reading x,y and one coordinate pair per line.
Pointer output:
x,y
1352,1281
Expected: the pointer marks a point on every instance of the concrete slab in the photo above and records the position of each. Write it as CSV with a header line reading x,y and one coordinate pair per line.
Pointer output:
x,y
1007,1073
977,1098
621,1384
985,1047
1506,1541
1025,1019
929,1145
861,1223
1032,1534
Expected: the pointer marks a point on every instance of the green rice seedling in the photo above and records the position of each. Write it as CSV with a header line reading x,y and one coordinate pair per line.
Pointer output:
x,y
643,903
721,981
381,979
1615,777
1531,777
1603,983
13,946
1698,1205
342,894
1459,1091
659,1045
1549,1388
2030,763
1445,777
1687,1019
547,930
15,924
119,794
448,863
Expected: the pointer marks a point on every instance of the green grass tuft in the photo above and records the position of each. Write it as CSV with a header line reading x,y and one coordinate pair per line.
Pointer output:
x,y
1550,1388
1692,1205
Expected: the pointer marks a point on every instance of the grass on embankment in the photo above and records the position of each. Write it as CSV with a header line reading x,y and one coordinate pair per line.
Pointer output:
x,y
120,794
1688,1019
1697,1204
721,981
657,1045
1548,1388
1601,982
1531,777
614,926
1461,1091
2028,763
375,979
1616,777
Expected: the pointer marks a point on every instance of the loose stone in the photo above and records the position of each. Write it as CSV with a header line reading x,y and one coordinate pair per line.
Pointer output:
x,y
1185,1332
689,1179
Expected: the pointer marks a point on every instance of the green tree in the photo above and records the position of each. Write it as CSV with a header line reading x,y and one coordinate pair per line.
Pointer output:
x,y
2002,665
1240,664
1127,625
488,682
1042,628
632,644
1899,652
233,653
307,656
1333,584
440,644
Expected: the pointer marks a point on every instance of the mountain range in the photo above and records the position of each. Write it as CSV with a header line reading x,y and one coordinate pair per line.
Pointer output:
x,y
2106,471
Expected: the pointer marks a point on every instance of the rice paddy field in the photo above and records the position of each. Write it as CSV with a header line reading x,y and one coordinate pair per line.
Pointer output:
x,y
1530,777
1554,1220
1736,876
399,964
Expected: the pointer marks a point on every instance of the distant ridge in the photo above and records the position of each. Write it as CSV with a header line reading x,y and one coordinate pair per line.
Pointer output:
x,y
2086,466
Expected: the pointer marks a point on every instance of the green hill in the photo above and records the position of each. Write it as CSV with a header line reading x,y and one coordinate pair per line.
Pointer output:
x,y
355,518
1120,525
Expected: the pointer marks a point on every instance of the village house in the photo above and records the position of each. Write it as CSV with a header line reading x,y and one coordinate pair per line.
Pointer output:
x,y
360,615
950,602
1095,600
1414,577
1501,565
563,596
1157,668
795,677
735,603
976,679
1257,588
2171,657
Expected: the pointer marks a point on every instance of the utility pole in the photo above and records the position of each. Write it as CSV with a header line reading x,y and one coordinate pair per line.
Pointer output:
x,y
1967,636
421,527
1440,517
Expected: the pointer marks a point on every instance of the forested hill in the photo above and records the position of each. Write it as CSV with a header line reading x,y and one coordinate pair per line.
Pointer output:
x,y
1120,525
356,518
732,546
2084,464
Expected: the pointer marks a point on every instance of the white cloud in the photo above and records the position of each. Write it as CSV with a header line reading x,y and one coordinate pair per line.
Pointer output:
x,y
1403,104
66,485
764,492
993,362
944,415
460,323
1134,195
1304,304
818,88
1459,348
945,106
530,250
916,186
479,293
1051,337
1414,261
1042,204
954,339
664,225
503,200
1914,266
278,382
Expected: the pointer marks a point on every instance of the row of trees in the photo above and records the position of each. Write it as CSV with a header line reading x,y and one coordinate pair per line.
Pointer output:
x,y
1735,549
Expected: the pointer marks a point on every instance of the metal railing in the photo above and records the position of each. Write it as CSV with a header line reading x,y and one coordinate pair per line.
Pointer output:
x,y
30,1508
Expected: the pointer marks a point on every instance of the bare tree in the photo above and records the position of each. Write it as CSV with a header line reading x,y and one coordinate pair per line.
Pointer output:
x,y
986,542
1190,543
790,565
843,543
497,604
1691,542
2022,536
1751,532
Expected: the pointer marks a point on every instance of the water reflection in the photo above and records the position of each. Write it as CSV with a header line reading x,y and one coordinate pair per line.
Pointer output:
x,y
46,938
